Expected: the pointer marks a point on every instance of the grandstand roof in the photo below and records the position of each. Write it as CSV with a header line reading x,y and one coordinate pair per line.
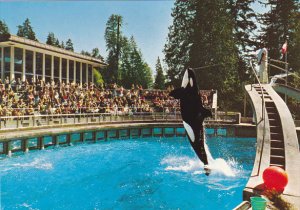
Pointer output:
x,y
12,40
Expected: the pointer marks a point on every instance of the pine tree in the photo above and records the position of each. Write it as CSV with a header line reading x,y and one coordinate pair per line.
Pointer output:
x,y
243,18
57,43
26,30
160,77
133,69
69,45
126,69
113,36
3,28
51,39
62,45
177,48
214,44
96,53
279,23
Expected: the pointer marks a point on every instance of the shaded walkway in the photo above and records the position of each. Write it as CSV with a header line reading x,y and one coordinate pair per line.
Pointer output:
x,y
277,142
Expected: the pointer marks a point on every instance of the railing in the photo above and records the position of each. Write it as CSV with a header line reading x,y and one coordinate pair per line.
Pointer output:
x,y
33,121
263,105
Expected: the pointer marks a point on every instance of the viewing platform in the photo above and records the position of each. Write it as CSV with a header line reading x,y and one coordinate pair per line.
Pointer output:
x,y
277,142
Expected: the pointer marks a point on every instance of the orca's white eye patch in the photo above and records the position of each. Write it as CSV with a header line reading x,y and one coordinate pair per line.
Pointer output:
x,y
191,82
185,79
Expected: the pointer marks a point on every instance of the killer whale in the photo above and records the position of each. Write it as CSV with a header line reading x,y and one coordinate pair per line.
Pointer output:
x,y
193,114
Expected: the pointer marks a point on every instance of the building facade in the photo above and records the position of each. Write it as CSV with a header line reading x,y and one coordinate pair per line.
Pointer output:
x,y
26,59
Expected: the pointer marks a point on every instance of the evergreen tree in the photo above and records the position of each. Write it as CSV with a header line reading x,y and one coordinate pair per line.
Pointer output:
x,y
160,77
214,44
96,54
177,48
279,23
294,45
57,43
26,30
243,18
126,69
69,45
85,53
62,45
51,39
3,28
133,69
113,36
202,34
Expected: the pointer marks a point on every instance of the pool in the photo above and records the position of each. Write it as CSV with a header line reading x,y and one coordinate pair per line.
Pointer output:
x,y
146,173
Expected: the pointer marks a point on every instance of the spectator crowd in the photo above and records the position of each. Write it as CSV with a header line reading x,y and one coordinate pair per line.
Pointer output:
x,y
38,97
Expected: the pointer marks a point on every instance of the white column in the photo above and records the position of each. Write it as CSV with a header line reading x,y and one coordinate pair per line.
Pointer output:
x,y
60,69
12,63
2,63
52,67
68,70
74,68
92,74
44,67
87,73
24,65
80,74
34,65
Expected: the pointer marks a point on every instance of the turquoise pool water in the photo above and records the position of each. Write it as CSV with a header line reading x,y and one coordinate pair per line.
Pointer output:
x,y
151,173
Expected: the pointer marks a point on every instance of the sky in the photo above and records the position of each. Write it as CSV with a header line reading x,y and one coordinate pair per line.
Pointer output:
x,y
84,22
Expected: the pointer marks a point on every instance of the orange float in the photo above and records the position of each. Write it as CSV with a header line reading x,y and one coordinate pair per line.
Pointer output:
x,y
275,178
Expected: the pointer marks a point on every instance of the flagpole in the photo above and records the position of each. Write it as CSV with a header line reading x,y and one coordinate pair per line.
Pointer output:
x,y
287,71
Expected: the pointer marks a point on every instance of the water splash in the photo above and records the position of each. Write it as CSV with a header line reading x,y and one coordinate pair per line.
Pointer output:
x,y
37,163
195,166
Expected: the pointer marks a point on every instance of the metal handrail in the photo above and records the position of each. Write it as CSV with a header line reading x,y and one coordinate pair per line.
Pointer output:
x,y
263,113
32,121
263,98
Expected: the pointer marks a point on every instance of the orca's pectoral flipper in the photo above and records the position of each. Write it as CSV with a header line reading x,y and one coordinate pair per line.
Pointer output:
x,y
177,93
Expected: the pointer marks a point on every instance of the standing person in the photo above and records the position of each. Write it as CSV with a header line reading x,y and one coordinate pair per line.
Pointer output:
x,y
262,57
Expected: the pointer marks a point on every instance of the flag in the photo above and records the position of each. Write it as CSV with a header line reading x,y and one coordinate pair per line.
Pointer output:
x,y
284,48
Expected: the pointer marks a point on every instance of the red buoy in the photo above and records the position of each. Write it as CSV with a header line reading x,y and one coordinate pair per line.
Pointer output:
x,y
275,178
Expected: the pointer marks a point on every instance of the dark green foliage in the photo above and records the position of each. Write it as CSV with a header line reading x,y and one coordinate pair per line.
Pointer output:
x,y
113,36
96,54
243,18
177,48
26,30
203,34
57,43
69,45
133,69
85,53
279,24
3,28
160,77
51,39
62,45
125,61
282,23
